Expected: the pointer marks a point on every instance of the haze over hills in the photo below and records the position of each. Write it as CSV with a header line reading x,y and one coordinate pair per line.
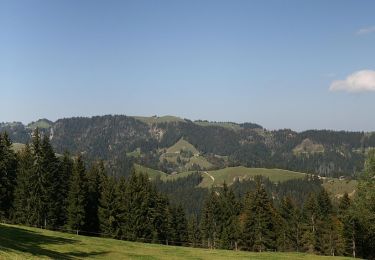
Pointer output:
x,y
150,141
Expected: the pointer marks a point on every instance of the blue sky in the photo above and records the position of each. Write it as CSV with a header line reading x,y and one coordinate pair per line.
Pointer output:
x,y
282,64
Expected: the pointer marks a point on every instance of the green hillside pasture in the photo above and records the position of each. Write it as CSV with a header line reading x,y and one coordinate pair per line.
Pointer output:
x,y
336,188
157,120
182,145
230,174
201,161
18,242
152,174
227,125
17,147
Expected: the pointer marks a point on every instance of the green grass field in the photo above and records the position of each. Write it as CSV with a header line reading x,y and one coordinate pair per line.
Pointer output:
x,y
157,120
221,124
230,174
18,242
336,188
17,147
182,145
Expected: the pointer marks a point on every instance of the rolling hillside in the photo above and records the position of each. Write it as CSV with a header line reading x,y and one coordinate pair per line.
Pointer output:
x,y
17,242
231,174
109,137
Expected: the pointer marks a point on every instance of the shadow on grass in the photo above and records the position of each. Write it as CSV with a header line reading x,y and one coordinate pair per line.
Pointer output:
x,y
26,241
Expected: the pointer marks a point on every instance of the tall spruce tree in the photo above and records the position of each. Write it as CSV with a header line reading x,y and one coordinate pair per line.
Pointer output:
x,y
138,208
8,173
363,212
286,238
194,233
109,210
209,221
95,177
22,202
310,213
64,180
259,230
77,197
50,170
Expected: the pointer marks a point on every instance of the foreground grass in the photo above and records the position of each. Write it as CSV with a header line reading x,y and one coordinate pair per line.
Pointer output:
x,y
18,242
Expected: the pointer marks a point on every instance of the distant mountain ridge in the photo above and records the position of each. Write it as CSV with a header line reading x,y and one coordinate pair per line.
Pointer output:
x,y
111,137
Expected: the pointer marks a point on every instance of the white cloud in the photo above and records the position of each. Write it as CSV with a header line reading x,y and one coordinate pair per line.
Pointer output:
x,y
359,81
366,30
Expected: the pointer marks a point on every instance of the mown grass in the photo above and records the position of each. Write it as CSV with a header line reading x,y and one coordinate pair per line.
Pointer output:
x,y
336,188
182,145
18,242
157,120
230,174
17,147
227,125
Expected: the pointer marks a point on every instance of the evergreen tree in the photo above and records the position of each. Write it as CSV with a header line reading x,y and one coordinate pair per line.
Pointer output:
x,y
95,177
363,212
286,238
8,173
259,231
209,222
38,183
50,171
229,225
310,212
77,197
22,202
109,209
178,226
64,180
138,208
194,234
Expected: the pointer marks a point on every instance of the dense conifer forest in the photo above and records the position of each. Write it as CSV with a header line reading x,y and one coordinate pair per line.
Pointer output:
x,y
110,138
69,192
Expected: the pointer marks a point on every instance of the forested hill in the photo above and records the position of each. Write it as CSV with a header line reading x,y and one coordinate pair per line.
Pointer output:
x,y
146,140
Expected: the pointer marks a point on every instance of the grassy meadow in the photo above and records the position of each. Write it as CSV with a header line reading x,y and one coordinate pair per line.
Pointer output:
x,y
17,242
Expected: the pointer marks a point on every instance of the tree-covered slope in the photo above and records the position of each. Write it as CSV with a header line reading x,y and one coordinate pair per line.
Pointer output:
x,y
111,137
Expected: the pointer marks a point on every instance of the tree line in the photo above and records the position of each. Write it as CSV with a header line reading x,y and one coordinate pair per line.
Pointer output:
x,y
39,188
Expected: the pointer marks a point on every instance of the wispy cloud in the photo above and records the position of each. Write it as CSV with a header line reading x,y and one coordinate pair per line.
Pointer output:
x,y
366,30
359,81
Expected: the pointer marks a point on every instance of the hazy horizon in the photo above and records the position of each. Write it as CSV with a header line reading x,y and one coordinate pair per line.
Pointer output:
x,y
301,65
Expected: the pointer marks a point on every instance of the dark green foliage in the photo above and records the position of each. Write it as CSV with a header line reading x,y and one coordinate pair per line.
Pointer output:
x,y
78,197
362,212
109,211
8,172
110,137
95,177
40,189
22,202
288,223
185,192
178,226
194,233
259,232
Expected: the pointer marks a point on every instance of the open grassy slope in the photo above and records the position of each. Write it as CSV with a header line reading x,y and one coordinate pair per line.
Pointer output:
x,y
158,120
227,125
230,174
18,242
182,145
17,147
337,187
